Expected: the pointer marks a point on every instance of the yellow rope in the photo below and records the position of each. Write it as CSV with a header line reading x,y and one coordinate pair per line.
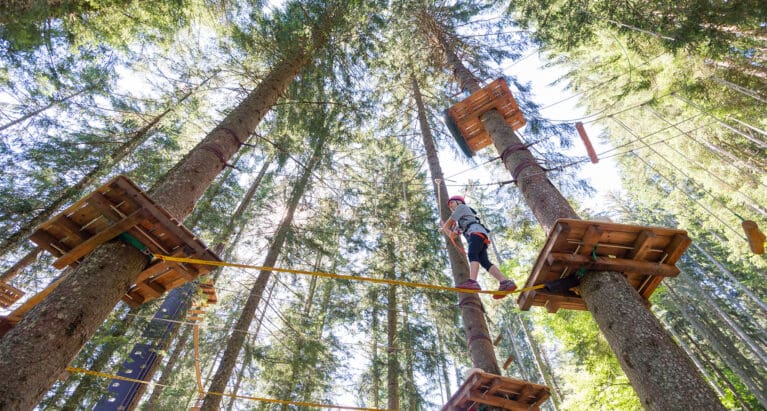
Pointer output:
x,y
340,276
197,368
223,394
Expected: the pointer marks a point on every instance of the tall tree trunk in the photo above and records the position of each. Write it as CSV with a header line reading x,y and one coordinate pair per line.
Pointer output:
x,y
392,362
38,349
474,324
234,345
442,360
253,339
87,383
103,167
517,353
657,368
694,359
727,273
375,372
738,365
412,389
543,367
700,295
722,377
170,368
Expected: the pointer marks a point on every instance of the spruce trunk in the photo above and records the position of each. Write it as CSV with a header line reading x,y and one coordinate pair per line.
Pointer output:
x,y
472,313
660,372
236,341
39,348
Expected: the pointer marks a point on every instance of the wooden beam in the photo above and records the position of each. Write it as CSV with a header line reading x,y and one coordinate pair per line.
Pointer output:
x,y
590,239
613,264
72,230
87,246
102,203
677,247
641,245
49,243
557,236
478,396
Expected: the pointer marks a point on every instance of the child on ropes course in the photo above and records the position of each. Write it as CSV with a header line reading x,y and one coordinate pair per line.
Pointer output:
x,y
465,219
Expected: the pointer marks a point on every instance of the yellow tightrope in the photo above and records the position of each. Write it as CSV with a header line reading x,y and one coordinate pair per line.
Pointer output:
x,y
341,276
300,403
223,394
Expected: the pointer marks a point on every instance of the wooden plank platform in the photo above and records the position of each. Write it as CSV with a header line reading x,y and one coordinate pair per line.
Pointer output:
x,y
497,391
117,207
9,294
644,254
466,113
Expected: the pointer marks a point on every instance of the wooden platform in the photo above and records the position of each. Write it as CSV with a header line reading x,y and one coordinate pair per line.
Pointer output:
x,y
498,391
466,113
121,207
644,254
9,294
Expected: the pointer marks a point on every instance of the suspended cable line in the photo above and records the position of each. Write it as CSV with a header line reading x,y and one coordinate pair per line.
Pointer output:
x,y
754,204
726,225
680,171
760,143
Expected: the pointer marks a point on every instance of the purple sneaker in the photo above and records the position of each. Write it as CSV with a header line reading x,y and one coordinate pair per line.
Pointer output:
x,y
505,285
469,285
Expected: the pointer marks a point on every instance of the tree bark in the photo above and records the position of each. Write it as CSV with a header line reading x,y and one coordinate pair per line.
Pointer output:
x,y
392,362
38,349
472,313
638,343
234,345
170,368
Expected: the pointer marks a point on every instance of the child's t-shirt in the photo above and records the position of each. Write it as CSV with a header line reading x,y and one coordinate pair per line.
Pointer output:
x,y
467,220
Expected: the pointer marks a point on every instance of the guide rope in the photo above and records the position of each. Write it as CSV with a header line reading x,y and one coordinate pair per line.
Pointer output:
x,y
340,276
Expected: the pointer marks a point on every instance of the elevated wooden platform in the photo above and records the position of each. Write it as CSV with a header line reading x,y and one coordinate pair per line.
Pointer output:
x,y
497,391
465,114
9,294
117,207
644,254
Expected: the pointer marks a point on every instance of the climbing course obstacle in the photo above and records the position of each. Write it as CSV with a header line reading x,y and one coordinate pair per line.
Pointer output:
x,y
463,118
645,255
497,391
119,209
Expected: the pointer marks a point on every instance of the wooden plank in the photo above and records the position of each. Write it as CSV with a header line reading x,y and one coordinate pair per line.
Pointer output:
x,y
101,203
153,289
590,239
495,385
557,236
542,396
526,391
48,243
641,245
562,300
626,228
477,396
130,301
677,247
613,264
71,229
100,238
